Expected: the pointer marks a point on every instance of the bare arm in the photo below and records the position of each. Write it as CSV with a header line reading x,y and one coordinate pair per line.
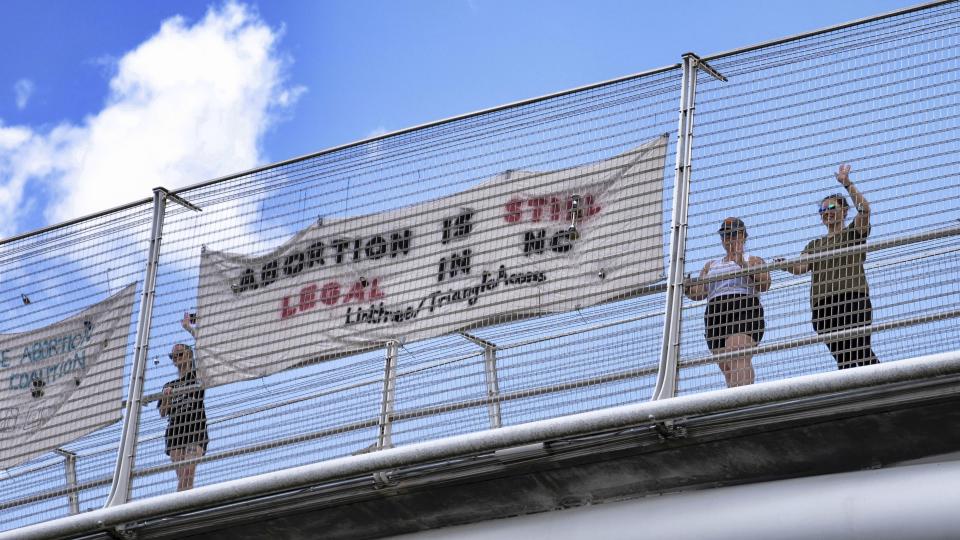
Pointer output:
x,y
797,269
165,402
761,280
862,220
185,323
698,291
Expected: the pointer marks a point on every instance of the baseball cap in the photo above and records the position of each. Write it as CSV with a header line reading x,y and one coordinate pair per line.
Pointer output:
x,y
732,224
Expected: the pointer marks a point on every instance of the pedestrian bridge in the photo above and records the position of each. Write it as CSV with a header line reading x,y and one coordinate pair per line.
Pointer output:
x,y
492,324
857,453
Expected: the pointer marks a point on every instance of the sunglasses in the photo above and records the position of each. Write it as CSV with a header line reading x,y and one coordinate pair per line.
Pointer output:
x,y
730,234
178,354
827,208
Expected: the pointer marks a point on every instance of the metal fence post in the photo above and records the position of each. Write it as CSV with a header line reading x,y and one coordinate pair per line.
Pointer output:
x,y
70,470
123,472
493,385
670,346
669,349
385,424
490,377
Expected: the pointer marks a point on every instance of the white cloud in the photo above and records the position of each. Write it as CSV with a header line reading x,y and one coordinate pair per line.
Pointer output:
x,y
189,104
376,132
17,163
288,97
22,91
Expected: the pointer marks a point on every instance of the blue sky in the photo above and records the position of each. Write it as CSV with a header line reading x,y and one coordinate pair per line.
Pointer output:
x,y
104,100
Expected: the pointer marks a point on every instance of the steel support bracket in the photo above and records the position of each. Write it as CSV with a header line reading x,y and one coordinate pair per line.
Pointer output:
x,y
383,480
490,377
122,532
707,68
179,200
670,430
385,422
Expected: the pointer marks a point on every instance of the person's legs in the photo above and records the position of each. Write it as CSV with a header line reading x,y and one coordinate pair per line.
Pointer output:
x,y
738,371
177,455
825,320
857,311
185,471
713,324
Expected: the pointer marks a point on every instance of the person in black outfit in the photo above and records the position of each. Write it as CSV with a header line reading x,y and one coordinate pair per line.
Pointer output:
x,y
839,292
182,406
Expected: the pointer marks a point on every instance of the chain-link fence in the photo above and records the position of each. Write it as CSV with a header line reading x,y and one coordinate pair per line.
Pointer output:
x,y
69,299
385,213
499,268
880,97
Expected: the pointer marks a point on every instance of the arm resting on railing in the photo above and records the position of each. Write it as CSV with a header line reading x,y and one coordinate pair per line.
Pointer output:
x,y
698,291
761,280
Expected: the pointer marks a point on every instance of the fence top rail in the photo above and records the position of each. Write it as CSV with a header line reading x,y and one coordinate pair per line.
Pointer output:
x,y
55,226
827,29
433,123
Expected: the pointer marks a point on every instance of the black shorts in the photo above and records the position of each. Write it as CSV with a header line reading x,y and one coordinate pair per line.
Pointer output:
x,y
732,314
843,312
187,430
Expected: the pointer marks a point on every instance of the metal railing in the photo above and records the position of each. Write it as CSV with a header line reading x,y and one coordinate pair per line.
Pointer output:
x,y
771,125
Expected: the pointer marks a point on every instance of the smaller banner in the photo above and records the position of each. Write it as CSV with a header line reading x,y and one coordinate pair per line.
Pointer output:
x,y
63,381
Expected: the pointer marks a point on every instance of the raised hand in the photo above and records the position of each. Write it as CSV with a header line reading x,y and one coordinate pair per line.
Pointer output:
x,y
843,175
189,325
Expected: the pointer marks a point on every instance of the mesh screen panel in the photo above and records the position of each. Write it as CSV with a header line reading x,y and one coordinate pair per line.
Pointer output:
x,y
768,149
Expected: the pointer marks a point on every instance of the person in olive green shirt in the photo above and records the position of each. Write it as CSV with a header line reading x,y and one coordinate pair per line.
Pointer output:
x,y
839,293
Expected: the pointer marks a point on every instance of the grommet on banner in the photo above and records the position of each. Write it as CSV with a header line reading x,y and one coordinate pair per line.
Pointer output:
x,y
37,387
602,274
575,212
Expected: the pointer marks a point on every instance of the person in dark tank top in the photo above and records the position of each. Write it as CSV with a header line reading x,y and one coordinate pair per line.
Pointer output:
x,y
182,405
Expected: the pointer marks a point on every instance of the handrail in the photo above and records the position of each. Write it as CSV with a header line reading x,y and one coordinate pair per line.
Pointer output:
x,y
550,389
56,493
897,241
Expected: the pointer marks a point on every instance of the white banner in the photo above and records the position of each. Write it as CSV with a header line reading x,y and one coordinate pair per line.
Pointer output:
x,y
60,382
520,244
